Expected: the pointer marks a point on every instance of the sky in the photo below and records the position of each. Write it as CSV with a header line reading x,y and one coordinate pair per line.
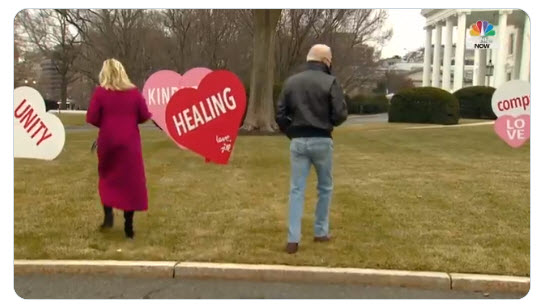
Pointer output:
x,y
408,33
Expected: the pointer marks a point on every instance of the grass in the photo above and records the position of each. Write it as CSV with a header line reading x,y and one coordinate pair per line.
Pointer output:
x,y
451,199
71,119
77,119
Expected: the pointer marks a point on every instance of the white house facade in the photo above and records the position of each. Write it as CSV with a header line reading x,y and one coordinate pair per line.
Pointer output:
x,y
491,67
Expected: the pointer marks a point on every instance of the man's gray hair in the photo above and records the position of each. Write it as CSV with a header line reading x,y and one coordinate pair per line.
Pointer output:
x,y
321,53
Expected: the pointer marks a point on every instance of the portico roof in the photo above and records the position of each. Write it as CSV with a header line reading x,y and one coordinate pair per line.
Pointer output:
x,y
434,16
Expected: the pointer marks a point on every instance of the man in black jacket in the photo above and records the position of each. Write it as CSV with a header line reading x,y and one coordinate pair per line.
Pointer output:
x,y
311,104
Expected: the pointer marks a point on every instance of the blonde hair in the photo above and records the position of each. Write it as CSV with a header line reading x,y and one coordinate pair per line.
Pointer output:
x,y
113,76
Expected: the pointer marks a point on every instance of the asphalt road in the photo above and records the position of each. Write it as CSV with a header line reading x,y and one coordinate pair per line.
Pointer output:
x,y
65,286
367,118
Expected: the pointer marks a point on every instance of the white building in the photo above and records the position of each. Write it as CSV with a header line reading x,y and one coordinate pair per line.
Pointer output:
x,y
413,68
511,60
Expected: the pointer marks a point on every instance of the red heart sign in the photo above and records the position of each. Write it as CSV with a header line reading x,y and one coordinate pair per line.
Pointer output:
x,y
206,120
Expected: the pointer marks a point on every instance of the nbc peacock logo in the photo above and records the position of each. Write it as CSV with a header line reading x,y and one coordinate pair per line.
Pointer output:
x,y
482,36
482,28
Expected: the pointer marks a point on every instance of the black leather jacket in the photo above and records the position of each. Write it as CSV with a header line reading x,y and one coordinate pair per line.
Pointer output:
x,y
311,103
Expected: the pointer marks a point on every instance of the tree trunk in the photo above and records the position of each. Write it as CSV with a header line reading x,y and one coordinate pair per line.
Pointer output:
x,y
260,112
63,91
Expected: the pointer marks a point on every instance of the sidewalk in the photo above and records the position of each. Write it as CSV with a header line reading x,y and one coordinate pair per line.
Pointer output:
x,y
280,273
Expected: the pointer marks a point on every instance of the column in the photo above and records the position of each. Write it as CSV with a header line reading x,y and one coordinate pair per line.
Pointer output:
x,y
437,53
502,52
460,50
446,67
427,58
480,62
525,64
517,52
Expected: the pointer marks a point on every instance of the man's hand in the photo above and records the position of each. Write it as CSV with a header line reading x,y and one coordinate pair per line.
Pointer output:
x,y
339,107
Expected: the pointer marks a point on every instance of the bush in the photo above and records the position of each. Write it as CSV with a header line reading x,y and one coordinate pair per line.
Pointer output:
x,y
362,104
347,99
424,105
475,102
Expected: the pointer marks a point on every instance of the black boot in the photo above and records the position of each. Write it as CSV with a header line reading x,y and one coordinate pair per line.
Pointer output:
x,y
108,218
129,232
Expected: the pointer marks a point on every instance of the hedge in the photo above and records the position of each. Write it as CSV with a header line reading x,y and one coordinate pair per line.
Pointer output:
x,y
362,104
475,102
424,105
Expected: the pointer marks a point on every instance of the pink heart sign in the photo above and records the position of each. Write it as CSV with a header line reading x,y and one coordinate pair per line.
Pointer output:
x,y
514,130
162,85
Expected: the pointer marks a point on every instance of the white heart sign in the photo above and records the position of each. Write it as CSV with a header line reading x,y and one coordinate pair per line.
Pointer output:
x,y
37,134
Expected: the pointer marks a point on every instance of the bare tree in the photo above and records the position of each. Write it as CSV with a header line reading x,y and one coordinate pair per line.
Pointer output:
x,y
295,36
350,34
50,32
177,24
24,60
415,56
260,112
135,37
393,82
257,45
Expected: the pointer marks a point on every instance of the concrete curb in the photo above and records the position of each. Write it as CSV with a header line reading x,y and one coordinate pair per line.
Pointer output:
x,y
432,280
352,276
482,282
132,268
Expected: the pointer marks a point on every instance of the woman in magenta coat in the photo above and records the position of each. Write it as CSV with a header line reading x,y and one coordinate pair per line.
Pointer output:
x,y
116,108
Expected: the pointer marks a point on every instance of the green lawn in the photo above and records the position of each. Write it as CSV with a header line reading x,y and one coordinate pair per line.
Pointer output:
x,y
75,119
451,199
71,119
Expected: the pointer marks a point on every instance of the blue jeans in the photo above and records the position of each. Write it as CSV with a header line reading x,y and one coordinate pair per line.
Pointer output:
x,y
306,152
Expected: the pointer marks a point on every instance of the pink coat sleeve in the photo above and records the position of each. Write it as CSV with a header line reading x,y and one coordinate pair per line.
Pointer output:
x,y
143,111
95,110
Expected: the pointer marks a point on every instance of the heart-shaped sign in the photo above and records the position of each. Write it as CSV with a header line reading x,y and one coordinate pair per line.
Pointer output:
x,y
162,85
37,134
514,130
512,98
206,120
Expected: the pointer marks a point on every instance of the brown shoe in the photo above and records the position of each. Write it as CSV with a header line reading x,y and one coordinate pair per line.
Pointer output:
x,y
291,248
322,239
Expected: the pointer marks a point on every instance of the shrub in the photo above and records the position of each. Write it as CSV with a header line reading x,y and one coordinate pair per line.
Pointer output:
x,y
376,104
475,102
424,105
362,104
347,99
355,104
50,104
